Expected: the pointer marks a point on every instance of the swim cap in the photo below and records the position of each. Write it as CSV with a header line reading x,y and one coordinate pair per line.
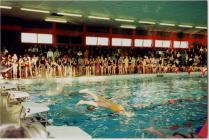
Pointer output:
x,y
174,127
187,124
90,108
204,130
197,130
172,101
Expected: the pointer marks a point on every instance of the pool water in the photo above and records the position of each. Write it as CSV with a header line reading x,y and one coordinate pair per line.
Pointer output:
x,y
62,97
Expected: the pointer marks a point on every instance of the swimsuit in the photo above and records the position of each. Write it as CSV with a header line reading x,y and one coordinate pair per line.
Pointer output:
x,y
116,108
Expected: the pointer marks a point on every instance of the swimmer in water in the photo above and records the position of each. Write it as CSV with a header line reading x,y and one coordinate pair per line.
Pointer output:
x,y
144,105
102,102
90,108
175,135
200,133
172,101
168,101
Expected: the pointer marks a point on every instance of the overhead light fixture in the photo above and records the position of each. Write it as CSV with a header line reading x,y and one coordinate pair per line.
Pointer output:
x,y
201,27
56,20
146,22
34,10
124,20
128,27
95,17
5,7
186,26
167,24
69,14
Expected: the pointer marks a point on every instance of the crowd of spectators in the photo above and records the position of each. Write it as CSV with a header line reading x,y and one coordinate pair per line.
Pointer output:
x,y
40,62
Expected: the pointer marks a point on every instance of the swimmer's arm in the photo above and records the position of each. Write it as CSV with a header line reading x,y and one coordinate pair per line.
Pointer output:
x,y
156,132
90,93
81,102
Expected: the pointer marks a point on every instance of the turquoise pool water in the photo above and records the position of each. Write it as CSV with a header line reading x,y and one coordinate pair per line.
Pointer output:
x,y
102,123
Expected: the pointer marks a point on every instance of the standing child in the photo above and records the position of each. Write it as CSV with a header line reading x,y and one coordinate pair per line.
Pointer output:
x,y
113,67
93,66
26,66
14,69
30,65
20,64
126,62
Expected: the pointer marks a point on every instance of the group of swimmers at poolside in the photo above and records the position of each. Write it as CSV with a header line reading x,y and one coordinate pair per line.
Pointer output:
x,y
38,67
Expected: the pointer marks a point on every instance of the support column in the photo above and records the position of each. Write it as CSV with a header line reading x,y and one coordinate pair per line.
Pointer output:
x,y
54,34
190,41
153,39
110,37
84,36
133,38
172,40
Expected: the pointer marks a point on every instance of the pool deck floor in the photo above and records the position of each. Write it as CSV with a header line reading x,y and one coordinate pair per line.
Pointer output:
x,y
94,78
9,114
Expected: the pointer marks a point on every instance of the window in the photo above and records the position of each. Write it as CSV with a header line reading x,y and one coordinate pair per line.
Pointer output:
x,y
102,41
176,44
45,38
97,41
138,43
166,44
147,43
91,40
180,44
121,42
36,38
163,43
184,44
116,42
143,43
126,42
28,37
158,43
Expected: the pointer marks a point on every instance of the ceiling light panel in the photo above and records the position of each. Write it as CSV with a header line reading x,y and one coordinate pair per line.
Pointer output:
x,y
34,10
69,14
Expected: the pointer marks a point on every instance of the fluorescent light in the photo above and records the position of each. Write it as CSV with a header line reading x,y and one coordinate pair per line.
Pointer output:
x,y
34,10
124,20
55,20
5,7
128,27
186,26
95,17
146,22
167,24
69,14
201,27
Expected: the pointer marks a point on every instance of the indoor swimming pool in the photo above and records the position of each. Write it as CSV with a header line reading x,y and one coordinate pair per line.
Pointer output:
x,y
61,95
